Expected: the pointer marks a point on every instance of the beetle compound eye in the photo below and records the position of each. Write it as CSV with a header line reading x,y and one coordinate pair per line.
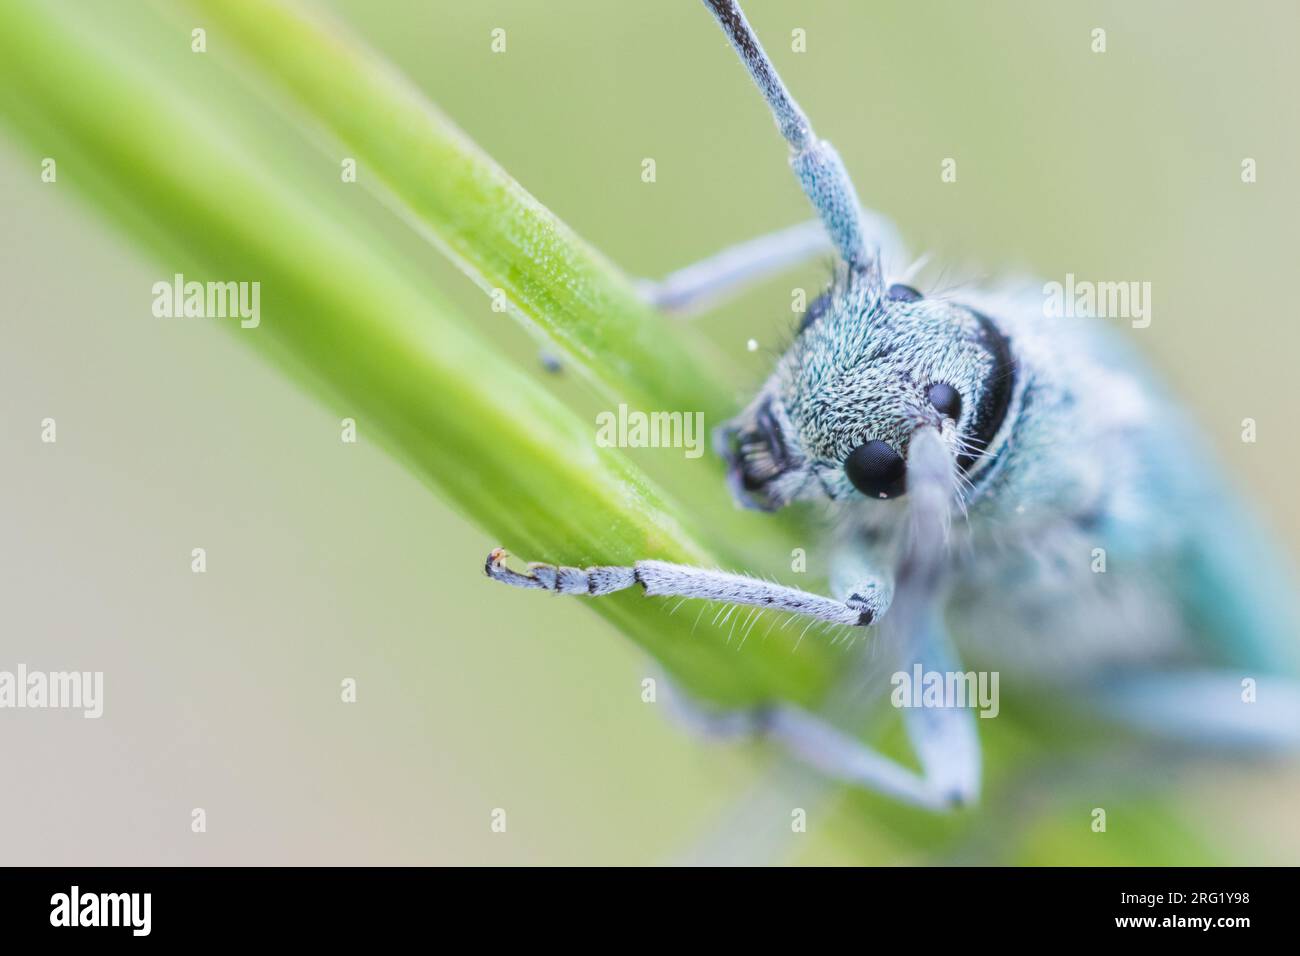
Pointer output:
x,y
945,399
876,470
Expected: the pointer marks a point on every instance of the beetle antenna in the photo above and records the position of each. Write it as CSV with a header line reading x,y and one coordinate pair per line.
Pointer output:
x,y
815,162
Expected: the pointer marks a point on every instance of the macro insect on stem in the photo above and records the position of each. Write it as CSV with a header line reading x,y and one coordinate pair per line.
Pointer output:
x,y
761,463
956,442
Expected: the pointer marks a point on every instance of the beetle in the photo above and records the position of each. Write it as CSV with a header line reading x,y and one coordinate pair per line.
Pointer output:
x,y
980,457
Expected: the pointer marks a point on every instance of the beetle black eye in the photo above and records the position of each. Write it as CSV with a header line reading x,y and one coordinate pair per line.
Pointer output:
x,y
902,293
876,470
946,399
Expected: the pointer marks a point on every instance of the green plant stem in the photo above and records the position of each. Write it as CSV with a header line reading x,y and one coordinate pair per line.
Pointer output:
x,y
341,317
481,217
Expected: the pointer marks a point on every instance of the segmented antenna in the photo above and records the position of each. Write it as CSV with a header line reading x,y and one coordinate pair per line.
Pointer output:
x,y
818,167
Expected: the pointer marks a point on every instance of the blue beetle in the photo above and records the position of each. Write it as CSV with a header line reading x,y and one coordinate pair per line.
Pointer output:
x,y
1005,482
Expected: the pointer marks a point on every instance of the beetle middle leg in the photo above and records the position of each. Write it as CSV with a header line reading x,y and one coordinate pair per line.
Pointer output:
x,y
691,290
724,275
944,739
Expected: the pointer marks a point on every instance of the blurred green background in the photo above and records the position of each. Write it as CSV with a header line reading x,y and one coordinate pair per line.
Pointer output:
x,y
328,561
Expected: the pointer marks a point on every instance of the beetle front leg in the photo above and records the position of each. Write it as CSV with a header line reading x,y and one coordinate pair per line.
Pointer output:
x,y
663,579
858,576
